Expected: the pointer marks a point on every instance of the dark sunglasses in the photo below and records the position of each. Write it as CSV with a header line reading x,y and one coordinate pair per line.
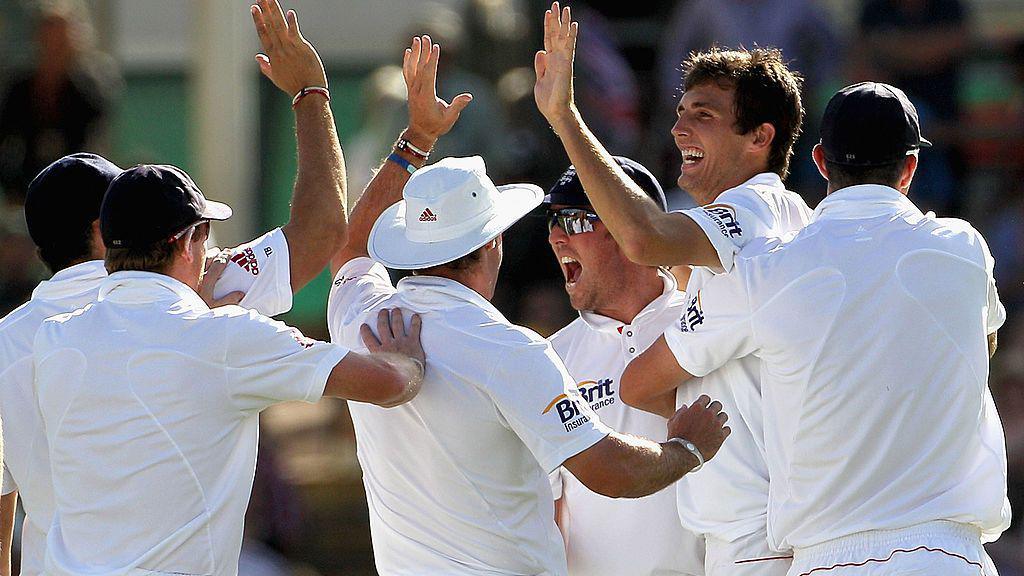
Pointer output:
x,y
572,220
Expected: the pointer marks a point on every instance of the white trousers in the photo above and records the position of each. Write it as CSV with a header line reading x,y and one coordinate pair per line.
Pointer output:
x,y
929,549
746,556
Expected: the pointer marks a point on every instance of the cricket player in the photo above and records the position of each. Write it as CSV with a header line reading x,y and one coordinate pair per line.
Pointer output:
x,y
738,118
623,308
150,400
875,325
457,479
62,211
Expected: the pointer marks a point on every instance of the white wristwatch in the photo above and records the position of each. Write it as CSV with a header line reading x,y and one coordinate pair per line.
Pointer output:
x,y
692,449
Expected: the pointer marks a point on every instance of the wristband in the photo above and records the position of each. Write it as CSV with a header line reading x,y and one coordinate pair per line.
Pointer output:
x,y
692,449
408,147
311,90
402,162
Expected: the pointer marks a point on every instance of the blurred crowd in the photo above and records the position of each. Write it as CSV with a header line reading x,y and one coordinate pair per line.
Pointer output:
x,y
968,88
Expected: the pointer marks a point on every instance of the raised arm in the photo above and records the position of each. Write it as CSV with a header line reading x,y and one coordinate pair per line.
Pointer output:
x,y
650,380
430,118
647,235
8,505
622,466
317,226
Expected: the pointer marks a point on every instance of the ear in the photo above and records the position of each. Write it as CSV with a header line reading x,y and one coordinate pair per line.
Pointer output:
x,y
909,168
819,160
764,135
99,250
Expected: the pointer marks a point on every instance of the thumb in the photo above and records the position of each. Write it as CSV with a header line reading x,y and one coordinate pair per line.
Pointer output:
x,y
264,63
540,63
459,103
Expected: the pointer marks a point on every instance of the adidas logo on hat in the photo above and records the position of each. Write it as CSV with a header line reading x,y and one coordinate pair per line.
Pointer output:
x,y
428,216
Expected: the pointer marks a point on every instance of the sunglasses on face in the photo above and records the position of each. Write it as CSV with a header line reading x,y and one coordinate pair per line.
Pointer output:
x,y
572,220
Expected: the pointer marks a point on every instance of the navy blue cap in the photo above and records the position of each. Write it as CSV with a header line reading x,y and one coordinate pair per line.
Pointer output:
x,y
870,124
64,199
151,203
569,191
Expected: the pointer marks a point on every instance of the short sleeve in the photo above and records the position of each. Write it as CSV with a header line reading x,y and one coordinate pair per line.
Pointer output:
x,y
8,485
555,479
541,404
267,362
716,326
360,285
260,269
996,315
729,226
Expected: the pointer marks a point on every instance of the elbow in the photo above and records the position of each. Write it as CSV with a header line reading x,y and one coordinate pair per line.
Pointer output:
x,y
402,386
630,389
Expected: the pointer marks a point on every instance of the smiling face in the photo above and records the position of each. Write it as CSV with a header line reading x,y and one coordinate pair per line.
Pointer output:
x,y
715,157
598,276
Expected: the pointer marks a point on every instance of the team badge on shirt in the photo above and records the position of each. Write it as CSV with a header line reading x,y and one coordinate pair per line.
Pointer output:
x,y
725,217
693,316
597,393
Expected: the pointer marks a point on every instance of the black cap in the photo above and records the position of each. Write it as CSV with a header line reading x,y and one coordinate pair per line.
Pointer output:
x,y
569,191
64,199
870,124
150,203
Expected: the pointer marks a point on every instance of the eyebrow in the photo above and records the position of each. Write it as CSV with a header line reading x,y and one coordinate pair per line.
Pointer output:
x,y
698,104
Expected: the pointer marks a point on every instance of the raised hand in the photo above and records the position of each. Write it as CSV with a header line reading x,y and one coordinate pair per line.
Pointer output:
x,y
288,59
702,423
430,117
553,90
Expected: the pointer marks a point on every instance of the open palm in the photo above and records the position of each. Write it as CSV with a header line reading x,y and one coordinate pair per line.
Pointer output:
x,y
553,90
429,116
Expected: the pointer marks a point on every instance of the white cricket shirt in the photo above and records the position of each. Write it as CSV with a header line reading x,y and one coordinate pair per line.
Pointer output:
x,y
872,325
26,462
150,402
619,537
728,498
456,479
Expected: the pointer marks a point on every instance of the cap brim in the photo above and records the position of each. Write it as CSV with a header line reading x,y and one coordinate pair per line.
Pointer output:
x,y
924,143
389,246
216,211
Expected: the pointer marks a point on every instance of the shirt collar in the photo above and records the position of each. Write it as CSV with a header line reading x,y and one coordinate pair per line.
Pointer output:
x,y
432,291
770,179
610,325
863,201
138,286
71,281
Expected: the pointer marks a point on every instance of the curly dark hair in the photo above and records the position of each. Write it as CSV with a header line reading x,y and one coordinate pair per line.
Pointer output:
x,y
766,91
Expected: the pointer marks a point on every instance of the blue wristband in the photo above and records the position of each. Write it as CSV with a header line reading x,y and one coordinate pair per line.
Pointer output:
x,y
402,162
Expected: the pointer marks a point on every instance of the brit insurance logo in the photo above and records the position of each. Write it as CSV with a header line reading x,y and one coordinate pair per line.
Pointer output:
x,y
597,393
725,217
693,316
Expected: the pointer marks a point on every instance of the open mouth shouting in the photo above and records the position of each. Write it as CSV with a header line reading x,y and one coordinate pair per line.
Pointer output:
x,y
692,156
572,270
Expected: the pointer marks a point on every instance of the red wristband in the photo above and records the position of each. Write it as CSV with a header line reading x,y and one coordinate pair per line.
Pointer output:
x,y
311,90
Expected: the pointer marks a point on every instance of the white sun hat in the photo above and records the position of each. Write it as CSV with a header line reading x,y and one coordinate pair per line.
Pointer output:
x,y
448,210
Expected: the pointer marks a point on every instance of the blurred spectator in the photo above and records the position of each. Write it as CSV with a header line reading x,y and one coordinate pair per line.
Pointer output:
x,y
921,46
384,117
800,28
59,106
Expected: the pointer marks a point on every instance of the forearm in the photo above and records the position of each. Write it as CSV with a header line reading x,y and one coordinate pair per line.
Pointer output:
x,y
317,226
383,190
624,208
649,382
645,467
8,504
